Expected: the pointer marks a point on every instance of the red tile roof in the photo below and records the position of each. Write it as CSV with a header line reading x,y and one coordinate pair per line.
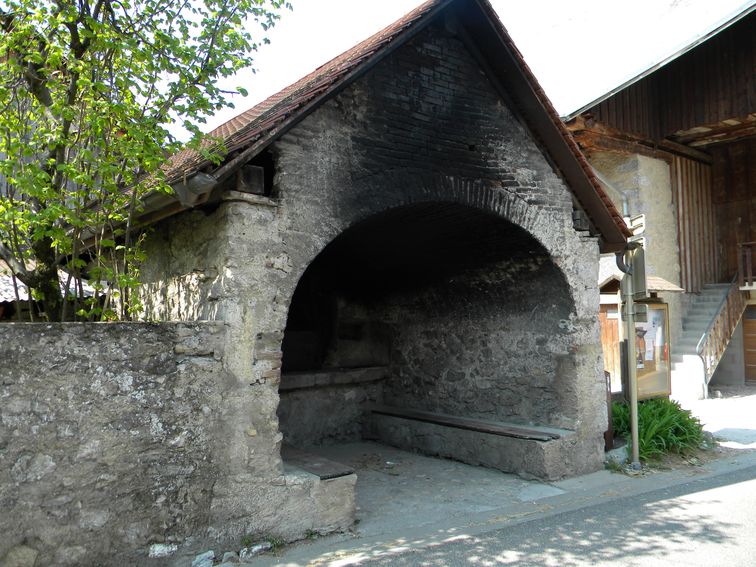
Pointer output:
x,y
250,131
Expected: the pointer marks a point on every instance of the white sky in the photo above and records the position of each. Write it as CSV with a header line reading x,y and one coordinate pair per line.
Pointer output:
x,y
578,49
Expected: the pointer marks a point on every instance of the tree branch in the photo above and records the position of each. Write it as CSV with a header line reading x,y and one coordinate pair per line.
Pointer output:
x,y
18,267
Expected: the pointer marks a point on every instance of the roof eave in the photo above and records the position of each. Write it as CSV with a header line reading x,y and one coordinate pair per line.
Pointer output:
x,y
653,68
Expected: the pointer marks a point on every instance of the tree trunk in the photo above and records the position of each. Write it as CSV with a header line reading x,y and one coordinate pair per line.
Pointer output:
x,y
48,283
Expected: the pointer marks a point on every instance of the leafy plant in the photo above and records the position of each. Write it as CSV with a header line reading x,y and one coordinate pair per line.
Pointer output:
x,y
276,543
89,93
663,427
247,540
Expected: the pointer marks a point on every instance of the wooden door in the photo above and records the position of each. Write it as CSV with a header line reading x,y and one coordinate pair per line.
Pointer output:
x,y
749,342
609,323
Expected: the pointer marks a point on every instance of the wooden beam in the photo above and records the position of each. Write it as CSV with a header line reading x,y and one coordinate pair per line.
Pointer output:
x,y
592,135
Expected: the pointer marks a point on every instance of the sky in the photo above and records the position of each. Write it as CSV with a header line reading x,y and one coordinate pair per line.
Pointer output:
x,y
578,49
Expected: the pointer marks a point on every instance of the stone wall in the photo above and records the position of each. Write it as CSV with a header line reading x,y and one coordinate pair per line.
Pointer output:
x,y
644,183
489,345
115,437
327,407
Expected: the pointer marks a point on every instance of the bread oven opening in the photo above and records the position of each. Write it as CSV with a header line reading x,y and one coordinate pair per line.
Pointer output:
x,y
433,309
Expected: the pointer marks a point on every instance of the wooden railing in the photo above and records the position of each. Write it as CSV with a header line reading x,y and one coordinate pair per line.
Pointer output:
x,y
745,264
718,333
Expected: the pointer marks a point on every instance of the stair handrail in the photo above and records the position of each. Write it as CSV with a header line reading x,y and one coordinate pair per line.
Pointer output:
x,y
732,299
745,264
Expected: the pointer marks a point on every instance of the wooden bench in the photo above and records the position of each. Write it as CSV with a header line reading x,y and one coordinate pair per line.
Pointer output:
x,y
471,424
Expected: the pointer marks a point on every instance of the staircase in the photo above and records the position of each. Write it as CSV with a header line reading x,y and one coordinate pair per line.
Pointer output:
x,y
707,327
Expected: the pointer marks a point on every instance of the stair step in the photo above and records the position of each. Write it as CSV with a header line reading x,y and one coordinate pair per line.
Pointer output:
x,y
699,319
707,307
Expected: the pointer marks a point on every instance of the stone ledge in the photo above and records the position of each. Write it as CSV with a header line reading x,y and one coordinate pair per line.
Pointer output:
x,y
336,377
250,198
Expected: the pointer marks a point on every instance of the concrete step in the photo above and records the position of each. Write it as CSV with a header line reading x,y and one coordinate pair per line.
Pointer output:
x,y
697,318
704,306
691,332
703,309
709,298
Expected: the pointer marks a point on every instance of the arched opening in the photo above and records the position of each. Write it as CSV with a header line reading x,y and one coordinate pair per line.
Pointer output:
x,y
438,308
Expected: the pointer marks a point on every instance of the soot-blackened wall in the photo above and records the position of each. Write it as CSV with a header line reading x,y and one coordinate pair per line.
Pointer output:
x,y
463,312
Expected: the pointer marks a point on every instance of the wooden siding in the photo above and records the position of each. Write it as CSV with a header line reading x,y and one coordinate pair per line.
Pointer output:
x,y
715,81
749,342
734,198
633,110
692,195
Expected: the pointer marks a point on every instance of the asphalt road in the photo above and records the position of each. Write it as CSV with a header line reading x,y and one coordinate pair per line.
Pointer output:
x,y
705,522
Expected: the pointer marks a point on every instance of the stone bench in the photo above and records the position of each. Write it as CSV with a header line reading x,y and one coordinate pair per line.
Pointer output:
x,y
528,450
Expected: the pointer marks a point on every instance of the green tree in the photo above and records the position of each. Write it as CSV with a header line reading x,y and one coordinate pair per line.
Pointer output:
x,y
89,90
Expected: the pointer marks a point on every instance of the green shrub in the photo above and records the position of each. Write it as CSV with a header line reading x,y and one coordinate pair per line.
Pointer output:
x,y
663,427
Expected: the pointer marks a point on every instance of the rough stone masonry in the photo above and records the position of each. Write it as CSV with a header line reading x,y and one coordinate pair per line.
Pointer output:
x,y
118,436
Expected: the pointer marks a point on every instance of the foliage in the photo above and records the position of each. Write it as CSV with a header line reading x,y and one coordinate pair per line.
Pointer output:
x,y
88,92
663,427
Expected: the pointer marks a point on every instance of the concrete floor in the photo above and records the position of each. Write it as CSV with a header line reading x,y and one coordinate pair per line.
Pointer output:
x,y
398,490
408,502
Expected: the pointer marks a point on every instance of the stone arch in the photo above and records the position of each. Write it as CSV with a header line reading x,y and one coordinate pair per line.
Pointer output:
x,y
547,225
347,350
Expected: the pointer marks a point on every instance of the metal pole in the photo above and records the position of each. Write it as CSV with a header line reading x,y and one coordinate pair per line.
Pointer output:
x,y
629,315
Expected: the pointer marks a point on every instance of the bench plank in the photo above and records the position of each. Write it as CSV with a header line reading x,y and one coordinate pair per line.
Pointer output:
x,y
508,430
315,464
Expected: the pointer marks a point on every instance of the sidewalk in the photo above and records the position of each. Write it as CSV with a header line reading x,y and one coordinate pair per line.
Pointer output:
x,y
411,501
731,418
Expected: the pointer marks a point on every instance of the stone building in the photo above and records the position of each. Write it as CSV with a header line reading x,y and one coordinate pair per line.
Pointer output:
x,y
402,246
